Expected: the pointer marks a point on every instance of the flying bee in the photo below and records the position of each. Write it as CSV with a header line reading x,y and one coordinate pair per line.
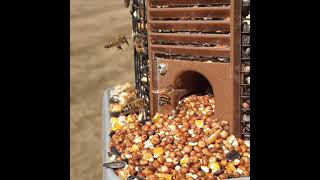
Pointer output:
x,y
165,95
134,106
121,39
139,43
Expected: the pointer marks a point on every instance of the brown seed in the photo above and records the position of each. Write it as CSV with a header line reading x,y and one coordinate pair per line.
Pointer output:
x,y
202,144
143,162
147,172
169,164
246,173
224,134
243,148
193,153
219,156
210,176
201,174
228,173
236,174
197,149
205,161
193,170
180,147
155,140
187,149
178,153
240,141
194,159
216,146
224,162
199,155
223,176
155,164
197,165
184,169
209,113
161,159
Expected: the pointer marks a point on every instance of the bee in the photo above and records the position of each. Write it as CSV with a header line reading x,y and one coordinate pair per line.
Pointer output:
x,y
134,107
165,95
139,44
121,39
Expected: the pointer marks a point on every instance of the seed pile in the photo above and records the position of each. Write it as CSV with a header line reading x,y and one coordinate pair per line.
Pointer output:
x,y
186,144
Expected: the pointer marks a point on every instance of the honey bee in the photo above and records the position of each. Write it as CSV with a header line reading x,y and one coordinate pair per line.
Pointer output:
x,y
134,106
121,39
165,95
139,43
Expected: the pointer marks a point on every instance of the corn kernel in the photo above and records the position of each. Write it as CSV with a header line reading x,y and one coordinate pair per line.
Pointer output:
x,y
116,126
199,123
215,167
157,151
167,176
134,148
230,166
148,157
184,161
156,117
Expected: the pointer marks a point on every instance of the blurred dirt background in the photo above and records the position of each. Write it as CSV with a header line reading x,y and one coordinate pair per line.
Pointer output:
x,y
94,69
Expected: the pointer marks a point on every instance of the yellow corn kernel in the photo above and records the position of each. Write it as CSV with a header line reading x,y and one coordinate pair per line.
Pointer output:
x,y
230,166
130,118
184,161
199,123
162,175
114,120
148,157
215,167
134,148
158,151
116,126
156,117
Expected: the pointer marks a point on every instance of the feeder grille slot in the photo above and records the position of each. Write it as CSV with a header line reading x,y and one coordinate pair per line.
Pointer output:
x,y
196,30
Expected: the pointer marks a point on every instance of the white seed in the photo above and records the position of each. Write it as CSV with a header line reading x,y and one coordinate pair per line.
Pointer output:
x,y
191,131
177,168
240,171
172,127
180,126
169,160
192,143
194,176
210,146
113,157
247,143
205,169
148,144
137,139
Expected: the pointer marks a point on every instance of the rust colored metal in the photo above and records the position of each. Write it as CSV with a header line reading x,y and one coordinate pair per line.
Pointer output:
x,y
205,12
190,26
222,39
186,2
177,37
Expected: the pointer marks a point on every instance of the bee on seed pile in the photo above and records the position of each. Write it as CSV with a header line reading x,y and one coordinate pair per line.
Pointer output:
x,y
165,95
134,106
121,39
